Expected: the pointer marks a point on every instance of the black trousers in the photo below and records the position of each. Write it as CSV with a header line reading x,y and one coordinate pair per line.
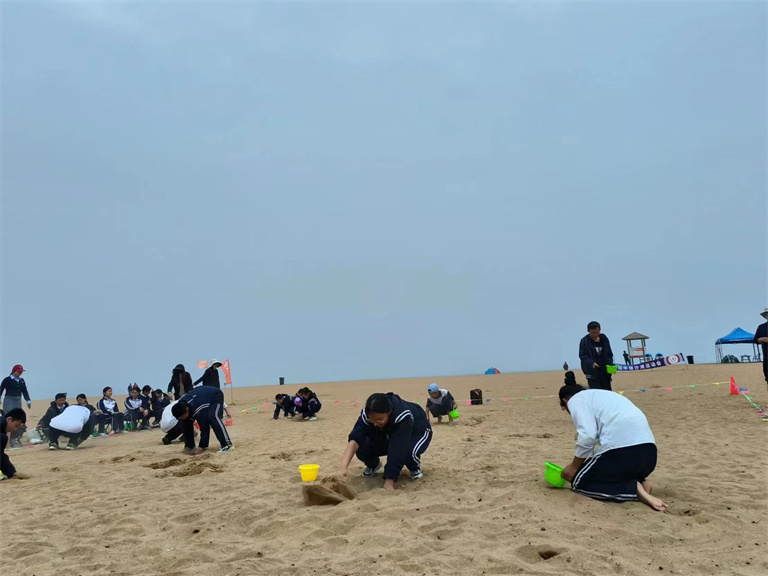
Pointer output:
x,y
439,410
174,432
599,380
372,448
209,418
116,420
5,463
74,437
134,417
613,475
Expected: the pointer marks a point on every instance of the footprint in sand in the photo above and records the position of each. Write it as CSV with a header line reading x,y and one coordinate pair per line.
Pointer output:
x,y
165,464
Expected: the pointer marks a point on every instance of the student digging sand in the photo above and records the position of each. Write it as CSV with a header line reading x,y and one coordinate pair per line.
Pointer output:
x,y
388,426
615,448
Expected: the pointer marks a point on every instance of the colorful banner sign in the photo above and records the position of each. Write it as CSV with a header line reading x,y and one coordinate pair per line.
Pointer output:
x,y
227,374
203,364
658,363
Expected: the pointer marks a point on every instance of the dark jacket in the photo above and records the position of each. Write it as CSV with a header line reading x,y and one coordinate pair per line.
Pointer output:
x,y
5,463
762,332
288,407
181,381
407,421
589,355
310,405
159,404
52,412
140,403
108,406
199,400
209,378
11,387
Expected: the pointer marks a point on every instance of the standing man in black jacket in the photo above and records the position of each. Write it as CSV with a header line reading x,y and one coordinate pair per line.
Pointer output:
x,y
211,375
596,354
761,337
14,388
181,382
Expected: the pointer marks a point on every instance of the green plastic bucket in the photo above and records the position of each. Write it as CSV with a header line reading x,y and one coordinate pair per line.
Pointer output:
x,y
552,475
454,414
611,369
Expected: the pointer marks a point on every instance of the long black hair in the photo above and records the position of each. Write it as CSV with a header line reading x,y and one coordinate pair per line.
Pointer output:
x,y
378,404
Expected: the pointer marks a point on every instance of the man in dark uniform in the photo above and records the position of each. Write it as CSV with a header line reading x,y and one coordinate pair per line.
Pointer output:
x,y
595,354
761,337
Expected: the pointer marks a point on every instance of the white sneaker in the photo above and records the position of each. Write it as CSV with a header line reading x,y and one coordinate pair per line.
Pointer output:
x,y
227,448
416,475
312,418
371,472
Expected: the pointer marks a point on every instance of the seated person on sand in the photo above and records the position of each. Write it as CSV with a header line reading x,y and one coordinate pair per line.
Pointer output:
x,y
76,423
310,404
111,413
10,422
440,403
388,426
615,448
205,404
160,401
57,407
137,409
284,403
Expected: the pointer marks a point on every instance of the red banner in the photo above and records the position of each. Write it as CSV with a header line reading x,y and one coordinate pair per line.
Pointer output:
x,y
227,374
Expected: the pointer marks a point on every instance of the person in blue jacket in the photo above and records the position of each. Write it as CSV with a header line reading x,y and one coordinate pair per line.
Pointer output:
x,y
205,404
284,403
388,426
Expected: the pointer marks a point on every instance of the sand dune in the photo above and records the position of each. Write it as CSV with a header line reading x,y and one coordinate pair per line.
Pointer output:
x,y
129,505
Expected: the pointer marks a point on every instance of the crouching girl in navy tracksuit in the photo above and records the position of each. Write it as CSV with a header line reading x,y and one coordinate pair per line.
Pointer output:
x,y
310,404
388,426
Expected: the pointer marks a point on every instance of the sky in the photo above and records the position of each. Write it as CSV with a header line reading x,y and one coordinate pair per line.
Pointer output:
x,y
340,191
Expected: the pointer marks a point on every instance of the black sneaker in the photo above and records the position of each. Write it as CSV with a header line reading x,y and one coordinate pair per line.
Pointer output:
x,y
52,446
166,441
371,472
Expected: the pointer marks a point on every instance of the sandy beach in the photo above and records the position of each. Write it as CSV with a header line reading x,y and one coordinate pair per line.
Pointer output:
x,y
129,505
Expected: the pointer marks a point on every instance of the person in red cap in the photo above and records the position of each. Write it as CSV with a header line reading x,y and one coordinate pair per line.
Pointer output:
x,y
14,388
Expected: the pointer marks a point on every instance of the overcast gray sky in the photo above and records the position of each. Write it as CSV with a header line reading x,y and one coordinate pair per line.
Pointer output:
x,y
336,191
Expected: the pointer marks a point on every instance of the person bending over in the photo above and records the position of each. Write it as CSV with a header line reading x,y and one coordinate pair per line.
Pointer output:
x,y
310,404
76,422
205,405
9,423
615,448
284,403
388,426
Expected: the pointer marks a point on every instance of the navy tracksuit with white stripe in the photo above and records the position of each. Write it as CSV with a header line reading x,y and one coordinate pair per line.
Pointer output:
x,y
405,437
206,406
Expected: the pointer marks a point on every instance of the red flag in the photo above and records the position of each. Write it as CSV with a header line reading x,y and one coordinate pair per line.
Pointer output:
x,y
227,375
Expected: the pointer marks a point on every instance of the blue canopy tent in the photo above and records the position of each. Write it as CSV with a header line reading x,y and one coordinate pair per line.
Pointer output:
x,y
737,336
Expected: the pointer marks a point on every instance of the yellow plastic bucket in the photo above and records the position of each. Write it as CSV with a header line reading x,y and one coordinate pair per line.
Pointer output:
x,y
309,472
552,475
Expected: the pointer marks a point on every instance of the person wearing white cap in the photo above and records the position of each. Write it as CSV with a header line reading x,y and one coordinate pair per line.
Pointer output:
x,y
211,375
761,337
440,403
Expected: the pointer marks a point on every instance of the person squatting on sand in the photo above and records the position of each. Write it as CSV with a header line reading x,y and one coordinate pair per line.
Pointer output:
x,y
595,354
110,412
284,403
440,403
615,448
310,404
9,423
205,404
58,406
388,426
75,422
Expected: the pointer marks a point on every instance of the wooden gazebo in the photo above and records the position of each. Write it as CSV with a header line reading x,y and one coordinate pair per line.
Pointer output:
x,y
636,351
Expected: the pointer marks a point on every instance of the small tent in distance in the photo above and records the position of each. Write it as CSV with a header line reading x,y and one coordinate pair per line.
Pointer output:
x,y
492,371
736,336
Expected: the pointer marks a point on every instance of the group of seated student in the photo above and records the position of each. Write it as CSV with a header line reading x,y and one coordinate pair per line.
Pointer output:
x,y
304,405
144,404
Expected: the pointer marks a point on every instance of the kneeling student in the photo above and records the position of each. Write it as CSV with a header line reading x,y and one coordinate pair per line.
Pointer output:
x,y
284,403
388,426
9,423
205,404
615,448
